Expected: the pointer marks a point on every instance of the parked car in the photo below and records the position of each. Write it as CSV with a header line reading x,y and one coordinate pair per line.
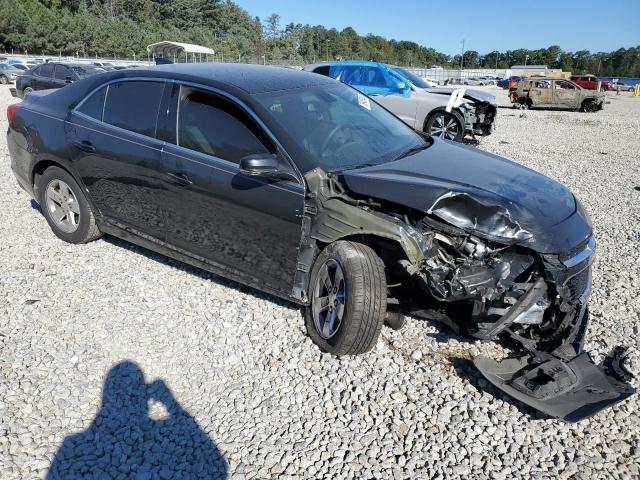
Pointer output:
x,y
590,82
504,83
556,93
305,188
623,87
8,73
53,75
21,66
422,110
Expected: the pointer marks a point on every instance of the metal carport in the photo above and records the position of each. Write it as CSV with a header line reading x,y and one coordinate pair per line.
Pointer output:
x,y
180,52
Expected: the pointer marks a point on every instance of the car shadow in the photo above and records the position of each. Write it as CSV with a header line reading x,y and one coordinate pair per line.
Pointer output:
x,y
192,270
466,370
123,441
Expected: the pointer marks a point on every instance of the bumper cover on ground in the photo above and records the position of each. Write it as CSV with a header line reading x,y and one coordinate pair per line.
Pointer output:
x,y
572,389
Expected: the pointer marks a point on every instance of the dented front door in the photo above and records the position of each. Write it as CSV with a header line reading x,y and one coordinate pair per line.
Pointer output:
x,y
566,94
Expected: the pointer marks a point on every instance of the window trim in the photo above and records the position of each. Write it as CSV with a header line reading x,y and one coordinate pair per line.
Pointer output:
x,y
185,89
228,96
76,109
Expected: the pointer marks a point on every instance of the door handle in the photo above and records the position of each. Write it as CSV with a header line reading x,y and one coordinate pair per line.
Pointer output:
x,y
85,146
179,178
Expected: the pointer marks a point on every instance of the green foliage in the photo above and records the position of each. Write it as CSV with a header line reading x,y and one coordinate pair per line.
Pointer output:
x,y
125,27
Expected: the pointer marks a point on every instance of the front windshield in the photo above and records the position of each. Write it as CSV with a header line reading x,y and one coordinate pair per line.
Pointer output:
x,y
337,127
84,72
412,77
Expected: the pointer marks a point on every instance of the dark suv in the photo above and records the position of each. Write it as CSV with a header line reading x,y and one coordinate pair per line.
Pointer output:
x,y
53,75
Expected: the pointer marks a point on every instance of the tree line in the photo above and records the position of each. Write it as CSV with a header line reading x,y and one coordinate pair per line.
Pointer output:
x,y
124,28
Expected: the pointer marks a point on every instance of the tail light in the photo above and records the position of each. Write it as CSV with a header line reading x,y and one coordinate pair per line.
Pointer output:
x,y
12,110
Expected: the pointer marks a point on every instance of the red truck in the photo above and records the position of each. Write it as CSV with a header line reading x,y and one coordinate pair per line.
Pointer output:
x,y
590,82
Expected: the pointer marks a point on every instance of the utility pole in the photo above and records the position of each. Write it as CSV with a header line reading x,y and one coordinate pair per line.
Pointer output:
x,y
462,57
526,57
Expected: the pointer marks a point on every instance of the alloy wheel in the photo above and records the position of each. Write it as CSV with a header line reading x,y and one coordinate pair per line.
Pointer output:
x,y
445,126
62,206
329,298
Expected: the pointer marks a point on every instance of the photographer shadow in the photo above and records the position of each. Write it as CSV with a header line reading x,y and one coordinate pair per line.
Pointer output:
x,y
125,442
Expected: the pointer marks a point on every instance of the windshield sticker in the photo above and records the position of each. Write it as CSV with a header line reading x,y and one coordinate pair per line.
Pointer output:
x,y
364,101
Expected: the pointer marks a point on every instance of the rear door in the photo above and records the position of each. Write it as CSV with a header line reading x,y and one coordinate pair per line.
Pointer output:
x,y
116,152
44,77
250,227
540,92
565,94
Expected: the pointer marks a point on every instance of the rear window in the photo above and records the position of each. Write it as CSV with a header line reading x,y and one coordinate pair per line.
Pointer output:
x,y
133,106
94,105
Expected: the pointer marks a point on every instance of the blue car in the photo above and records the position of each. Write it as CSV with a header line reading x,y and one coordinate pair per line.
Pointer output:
x,y
451,115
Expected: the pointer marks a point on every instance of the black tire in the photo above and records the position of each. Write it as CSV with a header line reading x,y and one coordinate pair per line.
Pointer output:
x,y
589,106
86,230
26,91
4,80
431,124
365,299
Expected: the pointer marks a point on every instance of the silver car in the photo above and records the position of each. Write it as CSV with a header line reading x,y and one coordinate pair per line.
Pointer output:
x,y
452,115
8,73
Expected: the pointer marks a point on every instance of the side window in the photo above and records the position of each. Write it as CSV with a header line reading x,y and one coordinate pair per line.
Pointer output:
x,y
375,78
323,70
210,124
94,105
564,85
133,106
62,72
46,70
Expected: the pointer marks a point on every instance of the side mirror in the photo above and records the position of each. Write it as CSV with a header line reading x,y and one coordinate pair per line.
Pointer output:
x,y
402,87
265,165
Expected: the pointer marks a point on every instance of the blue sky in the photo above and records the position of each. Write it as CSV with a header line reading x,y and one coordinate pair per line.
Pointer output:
x,y
485,25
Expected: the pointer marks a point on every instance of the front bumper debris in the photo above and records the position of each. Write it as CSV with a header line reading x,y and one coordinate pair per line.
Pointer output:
x,y
565,383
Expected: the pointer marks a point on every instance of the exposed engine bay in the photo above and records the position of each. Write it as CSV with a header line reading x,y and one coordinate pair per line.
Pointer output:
x,y
535,304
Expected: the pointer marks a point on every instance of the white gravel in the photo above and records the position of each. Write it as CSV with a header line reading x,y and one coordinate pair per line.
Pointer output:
x,y
252,397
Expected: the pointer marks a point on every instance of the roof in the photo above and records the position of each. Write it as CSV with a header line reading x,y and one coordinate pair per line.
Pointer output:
x,y
172,48
250,78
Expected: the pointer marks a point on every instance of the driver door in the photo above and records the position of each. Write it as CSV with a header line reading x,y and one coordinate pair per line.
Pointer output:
x,y
565,94
249,227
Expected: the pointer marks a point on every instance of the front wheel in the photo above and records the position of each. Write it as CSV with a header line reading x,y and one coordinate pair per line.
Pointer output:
x,y
3,80
445,125
26,91
589,106
348,299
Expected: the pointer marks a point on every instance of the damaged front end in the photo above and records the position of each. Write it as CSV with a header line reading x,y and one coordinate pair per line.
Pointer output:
x,y
467,251
536,304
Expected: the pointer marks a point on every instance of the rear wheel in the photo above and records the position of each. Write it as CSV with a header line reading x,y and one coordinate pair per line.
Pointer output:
x,y
65,207
348,293
445,125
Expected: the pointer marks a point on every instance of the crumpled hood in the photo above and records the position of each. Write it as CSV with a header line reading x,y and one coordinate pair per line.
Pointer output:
x,y
480,192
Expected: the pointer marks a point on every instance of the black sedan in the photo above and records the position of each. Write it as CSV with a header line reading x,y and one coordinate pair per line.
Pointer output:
x,y
53,75
305,188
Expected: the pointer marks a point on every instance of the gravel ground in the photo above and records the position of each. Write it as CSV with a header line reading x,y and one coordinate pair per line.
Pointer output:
x,y
200,375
